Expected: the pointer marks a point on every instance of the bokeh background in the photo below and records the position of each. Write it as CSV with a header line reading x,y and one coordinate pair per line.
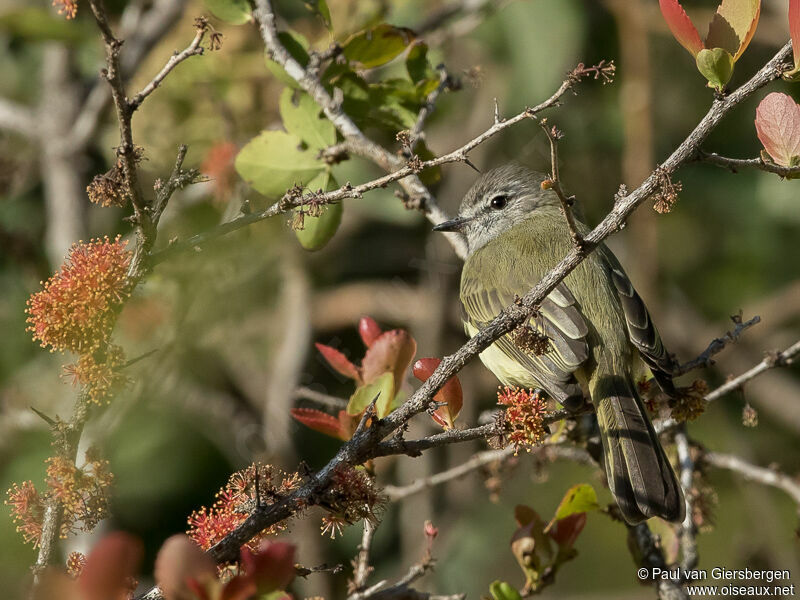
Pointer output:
x,y
233,326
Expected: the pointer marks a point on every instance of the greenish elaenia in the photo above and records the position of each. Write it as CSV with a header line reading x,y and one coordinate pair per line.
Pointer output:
x,y
597,328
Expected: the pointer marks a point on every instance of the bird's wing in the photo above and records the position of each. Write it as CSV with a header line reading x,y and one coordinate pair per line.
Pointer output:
x,y
558,318
641,330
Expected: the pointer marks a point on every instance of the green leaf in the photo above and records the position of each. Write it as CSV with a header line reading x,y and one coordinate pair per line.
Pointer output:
x,y
301,117
579,498
236,12
716,65
273,162
320,8
382,387
417,63
318,231
297,47
39,24
378,45
501,590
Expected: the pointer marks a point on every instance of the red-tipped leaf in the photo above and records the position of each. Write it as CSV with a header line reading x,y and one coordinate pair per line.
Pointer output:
x,y
369,330
778,127
320,421
681,26
392,351
451,392
339,362
733,26
565,531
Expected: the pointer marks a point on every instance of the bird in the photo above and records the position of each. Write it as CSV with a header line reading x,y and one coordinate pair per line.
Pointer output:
x,y
600,336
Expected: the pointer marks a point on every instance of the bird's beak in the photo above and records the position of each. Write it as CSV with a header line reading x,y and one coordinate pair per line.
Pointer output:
x,y
456,224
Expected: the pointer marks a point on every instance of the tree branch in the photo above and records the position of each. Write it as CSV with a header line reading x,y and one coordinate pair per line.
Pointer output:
x,y
17,118
193,49
141,31
688,534
349,191
751,472
554,183
734,164
777,359
717,345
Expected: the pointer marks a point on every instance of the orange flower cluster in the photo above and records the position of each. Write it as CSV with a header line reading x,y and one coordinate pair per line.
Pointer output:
x,y
523,416
690,401
77,308
99,373
236,500
75,563
27,509
68,8
81,492
351,497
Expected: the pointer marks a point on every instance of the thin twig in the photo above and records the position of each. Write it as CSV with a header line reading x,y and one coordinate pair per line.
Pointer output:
x,y
349,191
751,472
777,359
415,134
774,359
734,164
326,400
397,493
17,118
193,49
554,183
688,535
362,568
717,345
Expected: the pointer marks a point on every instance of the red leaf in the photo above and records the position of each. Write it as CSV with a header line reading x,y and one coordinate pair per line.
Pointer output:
x,y
681,26
369,330
110,566
794,30
392,351
778,127
272,567
451,392
339,362
239,588
319,421
182,567
565,531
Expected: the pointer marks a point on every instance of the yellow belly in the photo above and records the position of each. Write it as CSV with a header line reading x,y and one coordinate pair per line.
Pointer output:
x,y
506,369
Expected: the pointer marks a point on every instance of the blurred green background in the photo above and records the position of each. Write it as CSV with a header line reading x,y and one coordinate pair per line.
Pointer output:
x,y
234,324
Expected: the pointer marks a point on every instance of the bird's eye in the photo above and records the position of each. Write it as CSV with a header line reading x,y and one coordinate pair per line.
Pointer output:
x,y
498,202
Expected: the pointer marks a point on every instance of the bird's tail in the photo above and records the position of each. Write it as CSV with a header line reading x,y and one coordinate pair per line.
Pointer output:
x,y
639,475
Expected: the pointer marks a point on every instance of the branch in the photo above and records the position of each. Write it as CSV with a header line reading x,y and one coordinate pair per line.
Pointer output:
x,y
717,345
777,359
416,132
640,537
362,568
734,164
326,400
193,49
774,359
751,472
17,118
357,141
287,203
554,183
141,31
688,533
396,493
